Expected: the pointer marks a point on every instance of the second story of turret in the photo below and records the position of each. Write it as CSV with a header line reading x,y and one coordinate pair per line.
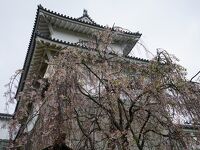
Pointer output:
x,y
53,31
74,30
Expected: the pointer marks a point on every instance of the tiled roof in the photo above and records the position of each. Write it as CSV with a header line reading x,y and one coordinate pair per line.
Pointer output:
x,y
82,46
92,23
5,116
28,55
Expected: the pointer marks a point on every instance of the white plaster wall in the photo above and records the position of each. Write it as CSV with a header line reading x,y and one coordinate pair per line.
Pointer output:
x,y
4,129
67,36
75,37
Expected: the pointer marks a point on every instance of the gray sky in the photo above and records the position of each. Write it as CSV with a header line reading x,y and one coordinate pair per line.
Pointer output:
x,y
173,25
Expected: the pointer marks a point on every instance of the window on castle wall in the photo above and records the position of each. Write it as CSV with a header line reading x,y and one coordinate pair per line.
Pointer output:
x,y
32,117
87,43
49,71
91,87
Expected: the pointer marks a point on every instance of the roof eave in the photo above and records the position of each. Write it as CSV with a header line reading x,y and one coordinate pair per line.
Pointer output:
x,y
44,10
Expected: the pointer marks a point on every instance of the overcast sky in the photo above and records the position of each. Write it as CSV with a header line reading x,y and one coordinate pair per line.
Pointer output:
x,y
173,25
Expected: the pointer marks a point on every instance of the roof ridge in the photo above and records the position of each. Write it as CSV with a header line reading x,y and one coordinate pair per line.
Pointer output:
x,y
68,17
85,14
